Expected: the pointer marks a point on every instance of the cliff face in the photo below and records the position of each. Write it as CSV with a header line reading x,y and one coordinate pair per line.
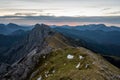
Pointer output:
x,y
46,54
35,39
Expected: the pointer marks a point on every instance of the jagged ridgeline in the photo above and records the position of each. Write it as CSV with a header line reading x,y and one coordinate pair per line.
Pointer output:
x,y
45,54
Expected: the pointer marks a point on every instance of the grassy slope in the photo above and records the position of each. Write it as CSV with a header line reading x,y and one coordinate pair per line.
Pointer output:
x,y
65,69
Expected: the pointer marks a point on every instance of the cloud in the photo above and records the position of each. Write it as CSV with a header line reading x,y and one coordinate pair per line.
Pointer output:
x,y
41,9
25,14
114,20
115,12
105,9
30,12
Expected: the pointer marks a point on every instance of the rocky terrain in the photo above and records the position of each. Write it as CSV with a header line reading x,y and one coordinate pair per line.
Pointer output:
x,y
45,54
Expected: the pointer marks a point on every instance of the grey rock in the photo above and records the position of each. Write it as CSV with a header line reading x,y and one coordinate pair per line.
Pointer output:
x,y
26,59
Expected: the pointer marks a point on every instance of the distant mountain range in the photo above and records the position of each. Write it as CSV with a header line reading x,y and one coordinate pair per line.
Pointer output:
x,y
11,27
98,27
11,34
91,27
100,38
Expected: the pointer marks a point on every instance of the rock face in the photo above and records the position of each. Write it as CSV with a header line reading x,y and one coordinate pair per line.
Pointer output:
x,y
4,68
23,68
44,53
33,40
28,52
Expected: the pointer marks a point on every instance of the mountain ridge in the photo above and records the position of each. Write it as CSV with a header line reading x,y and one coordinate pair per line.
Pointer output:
x,y
91,27
11,27
44,45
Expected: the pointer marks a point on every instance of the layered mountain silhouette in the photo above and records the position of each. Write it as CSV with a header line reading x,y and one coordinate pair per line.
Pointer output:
x,y
91,27
45,54
97,38
11,27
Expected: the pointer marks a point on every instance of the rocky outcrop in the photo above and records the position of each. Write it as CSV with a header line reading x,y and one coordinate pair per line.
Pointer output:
x,y
27,53
35,39
4,68
22,69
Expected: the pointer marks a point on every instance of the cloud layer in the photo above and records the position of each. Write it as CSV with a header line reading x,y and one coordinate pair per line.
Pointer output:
x,y
52,20
68,7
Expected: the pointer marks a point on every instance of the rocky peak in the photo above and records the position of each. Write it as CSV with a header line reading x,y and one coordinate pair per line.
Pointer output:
x,y
39,32
34,40
37,36
12,26
27,56
41,26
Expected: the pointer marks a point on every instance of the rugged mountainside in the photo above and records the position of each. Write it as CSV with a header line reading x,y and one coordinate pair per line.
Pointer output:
x,y
35,39
7,41
47,55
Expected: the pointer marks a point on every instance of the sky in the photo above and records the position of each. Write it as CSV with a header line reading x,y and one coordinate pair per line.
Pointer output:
x,y
56,9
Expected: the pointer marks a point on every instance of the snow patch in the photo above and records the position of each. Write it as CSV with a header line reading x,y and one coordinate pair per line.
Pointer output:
x,y
44,57
53,71
40,78
45,64
46,75
64,64
70,56
78,65
87,65
93,63
81,57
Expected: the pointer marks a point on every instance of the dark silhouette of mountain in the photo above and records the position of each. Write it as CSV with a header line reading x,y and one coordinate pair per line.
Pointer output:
x,y
3,29
7,41
19,32
32,40
90,27
11,27
105,42
97,27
